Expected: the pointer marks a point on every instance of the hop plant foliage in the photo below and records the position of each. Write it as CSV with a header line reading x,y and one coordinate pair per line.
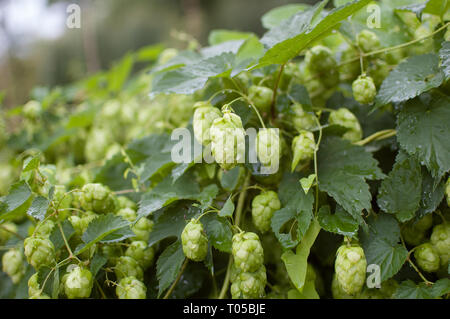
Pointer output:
x,y
93,203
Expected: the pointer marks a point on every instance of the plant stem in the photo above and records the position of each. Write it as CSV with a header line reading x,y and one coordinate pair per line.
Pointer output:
x,y
71,255
380,135
427,282
12,232
275,91
226,281
241,201
169,292
396,47
315,166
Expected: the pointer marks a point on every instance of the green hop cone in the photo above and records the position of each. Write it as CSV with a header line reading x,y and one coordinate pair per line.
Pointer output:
x,y
204,115
80,224
414,232
125,202
426,45
6,231
364,89
319,59
249,285
367,41
303,147
228,140
303,120
33,285
447,191
142,229
97,198
97,144
127,266
263,207
112,253
247,251
378,71
427,257
127,214
424,223
440,239
39,251
44,228
78,283
194,240
12,264
349,71
32,109
347,119
268,149
350,268
62,200
139,251
337,291
131,288
261,97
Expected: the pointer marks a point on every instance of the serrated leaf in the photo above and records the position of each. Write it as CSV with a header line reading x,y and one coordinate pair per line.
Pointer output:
x,y
155,164
342,170
168,265
167,192
288,39
218,231
56,237
340,222
297,264
381,245
105,228
400,192
31,163
423,131
297,210
220,36
171,221
409,79
307,182
431,195
228,208
409,290
17,201
38,207
444,54
440,287
97,262
275,16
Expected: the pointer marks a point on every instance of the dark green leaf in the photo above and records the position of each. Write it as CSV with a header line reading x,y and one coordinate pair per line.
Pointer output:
x,y
16,202
431,196
56,237
219,232
409,79
340,222
275,16
444,54
97,262
342,171
401,191
227,209
423,131
168,265
409,290
381,245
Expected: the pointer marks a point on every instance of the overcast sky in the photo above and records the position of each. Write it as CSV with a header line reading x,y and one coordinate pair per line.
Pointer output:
x,y
29,20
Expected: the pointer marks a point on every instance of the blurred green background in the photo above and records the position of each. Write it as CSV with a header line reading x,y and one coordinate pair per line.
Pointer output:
x,y
37,48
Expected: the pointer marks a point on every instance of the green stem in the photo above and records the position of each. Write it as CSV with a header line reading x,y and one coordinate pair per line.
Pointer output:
x,y
380,135
315,166
226,281
169,292
275,90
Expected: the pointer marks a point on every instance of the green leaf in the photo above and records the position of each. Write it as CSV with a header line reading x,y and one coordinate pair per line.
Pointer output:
x,y
307,182
31,163
156,164
168,265
47,278
105,229
309,292
227,209
437,7
230,178
409,79
167,191
119,73
431,195
218,231
38,207
409,290
277,15
112,172
97,262
297,210
288,39
170,222
340,222
56,237
343,169
297,264
423,131
381,245
444,54
440,287
16,202
400,192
